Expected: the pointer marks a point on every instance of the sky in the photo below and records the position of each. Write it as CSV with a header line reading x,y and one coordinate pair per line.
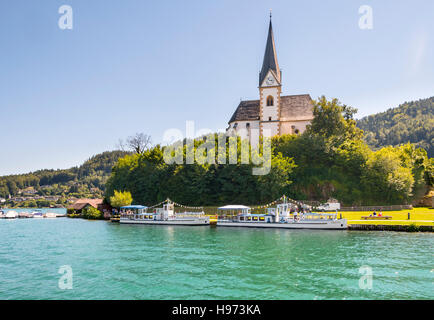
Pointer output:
x,y
149,66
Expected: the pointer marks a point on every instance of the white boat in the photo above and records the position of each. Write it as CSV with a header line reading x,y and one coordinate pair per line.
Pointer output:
x,y
279,217
50,215
11,215
161,216
37,214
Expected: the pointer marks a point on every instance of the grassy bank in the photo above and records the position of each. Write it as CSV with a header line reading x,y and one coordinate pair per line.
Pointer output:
x,y
418,217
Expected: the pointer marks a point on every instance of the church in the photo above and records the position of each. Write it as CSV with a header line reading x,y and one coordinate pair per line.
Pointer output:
x,y
273,114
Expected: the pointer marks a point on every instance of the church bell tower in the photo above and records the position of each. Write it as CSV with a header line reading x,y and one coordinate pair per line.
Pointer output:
x,y
270,88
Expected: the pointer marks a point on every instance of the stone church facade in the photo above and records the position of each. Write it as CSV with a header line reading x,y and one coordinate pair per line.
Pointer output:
x,y
273,114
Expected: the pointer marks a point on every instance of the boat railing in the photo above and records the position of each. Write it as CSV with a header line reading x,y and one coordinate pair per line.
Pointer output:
x,y
189,214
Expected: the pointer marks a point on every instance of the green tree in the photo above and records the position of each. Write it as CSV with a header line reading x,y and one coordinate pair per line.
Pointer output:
x,y
121,198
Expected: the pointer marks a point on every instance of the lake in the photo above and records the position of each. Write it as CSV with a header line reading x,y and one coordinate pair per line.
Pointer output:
x,y
112,261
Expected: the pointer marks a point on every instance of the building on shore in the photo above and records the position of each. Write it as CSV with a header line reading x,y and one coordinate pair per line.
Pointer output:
x,y
273,114
80,204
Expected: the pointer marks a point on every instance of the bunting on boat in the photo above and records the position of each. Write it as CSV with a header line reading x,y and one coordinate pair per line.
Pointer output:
x,y
176,204
283,198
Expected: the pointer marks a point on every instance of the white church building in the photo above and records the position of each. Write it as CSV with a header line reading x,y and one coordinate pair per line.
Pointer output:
x,y
273,114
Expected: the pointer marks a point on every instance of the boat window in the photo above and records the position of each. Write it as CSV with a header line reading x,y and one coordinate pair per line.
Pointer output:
x,y
255,218
242,218
261,218
249,218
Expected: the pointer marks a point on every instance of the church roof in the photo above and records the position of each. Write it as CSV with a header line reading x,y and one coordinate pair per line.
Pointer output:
x,y
247,110
270,58
294,107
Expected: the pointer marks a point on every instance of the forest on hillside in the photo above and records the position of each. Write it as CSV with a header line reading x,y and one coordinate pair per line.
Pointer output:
x,y
410,122
87,180
330,159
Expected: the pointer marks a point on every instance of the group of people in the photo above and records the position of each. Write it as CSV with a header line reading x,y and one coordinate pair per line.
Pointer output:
x,y
374,214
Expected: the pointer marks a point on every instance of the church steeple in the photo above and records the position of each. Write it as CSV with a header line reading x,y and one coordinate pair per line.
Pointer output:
x,y
270,58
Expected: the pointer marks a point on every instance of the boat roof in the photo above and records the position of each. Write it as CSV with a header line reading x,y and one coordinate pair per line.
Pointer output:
x,y
233,207
134,207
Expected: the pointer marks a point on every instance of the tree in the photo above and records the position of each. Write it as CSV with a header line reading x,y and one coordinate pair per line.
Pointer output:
x,y
121,199
334,121
410,122
139,142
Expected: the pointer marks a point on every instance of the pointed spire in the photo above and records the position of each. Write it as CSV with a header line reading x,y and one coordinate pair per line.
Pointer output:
x,y
270,57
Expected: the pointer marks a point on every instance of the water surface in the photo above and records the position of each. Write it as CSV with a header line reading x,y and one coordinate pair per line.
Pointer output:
x,y
112,261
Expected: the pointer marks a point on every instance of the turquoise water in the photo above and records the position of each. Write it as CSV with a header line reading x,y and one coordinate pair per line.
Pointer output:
x,y
112,261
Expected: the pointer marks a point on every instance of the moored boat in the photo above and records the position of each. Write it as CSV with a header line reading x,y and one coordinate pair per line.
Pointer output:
x,y
279,217
50,215
11,215
37,214
161,216
25,215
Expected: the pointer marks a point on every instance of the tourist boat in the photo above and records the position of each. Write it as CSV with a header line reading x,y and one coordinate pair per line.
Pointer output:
x,y
279,217
11,215
161,216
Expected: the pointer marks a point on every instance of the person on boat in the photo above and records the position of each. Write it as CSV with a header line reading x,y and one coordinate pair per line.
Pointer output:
x,y
375,214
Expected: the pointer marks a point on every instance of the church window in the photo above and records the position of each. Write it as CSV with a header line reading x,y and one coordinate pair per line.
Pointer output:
x,y
235,125
270,101
247,125
269,118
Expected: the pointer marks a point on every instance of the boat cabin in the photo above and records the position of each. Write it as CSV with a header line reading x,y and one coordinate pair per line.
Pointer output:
x,y
166,212
135,212
240,213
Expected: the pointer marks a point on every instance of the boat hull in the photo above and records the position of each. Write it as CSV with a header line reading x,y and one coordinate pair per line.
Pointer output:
x,y
319,225
178,222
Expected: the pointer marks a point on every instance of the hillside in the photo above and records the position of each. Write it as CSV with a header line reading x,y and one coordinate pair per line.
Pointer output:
x,y
410,122
44,187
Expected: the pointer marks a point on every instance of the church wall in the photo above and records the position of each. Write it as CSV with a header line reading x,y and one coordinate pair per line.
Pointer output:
x,y
270,129
287,127
252,132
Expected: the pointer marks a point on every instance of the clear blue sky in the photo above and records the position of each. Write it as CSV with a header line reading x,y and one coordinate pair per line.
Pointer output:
x,y
147,66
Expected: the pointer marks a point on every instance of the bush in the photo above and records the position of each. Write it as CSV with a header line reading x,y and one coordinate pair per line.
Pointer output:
x,y
92,213
413,228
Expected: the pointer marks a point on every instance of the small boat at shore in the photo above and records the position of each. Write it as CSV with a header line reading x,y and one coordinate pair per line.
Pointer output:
x,y
161,216
37,214
280,217
25,215
50,215
11,215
